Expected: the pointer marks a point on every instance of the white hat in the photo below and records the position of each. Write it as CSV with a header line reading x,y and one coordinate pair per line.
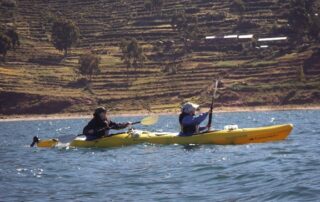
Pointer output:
x,y
189,107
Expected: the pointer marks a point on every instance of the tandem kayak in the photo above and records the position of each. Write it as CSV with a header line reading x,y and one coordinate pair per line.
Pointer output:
x,y
217,137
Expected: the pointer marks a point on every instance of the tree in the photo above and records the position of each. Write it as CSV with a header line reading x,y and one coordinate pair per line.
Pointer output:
x,y
153,5
238,6
89,65
5,45
314,30
132,54
187,27
65,34
8,3
298,19
304,20
179,22
14,37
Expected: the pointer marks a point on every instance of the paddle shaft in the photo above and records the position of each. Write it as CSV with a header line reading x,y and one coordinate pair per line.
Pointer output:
x,y
106,128
210,114
212,102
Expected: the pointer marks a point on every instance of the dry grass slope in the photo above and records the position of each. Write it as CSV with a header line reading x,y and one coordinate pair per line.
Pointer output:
x,y
36,79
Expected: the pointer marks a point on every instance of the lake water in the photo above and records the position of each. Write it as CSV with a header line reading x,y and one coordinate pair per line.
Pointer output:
x,y
279,171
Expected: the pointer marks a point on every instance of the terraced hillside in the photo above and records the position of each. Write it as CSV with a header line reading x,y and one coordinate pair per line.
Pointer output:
x,y
37,79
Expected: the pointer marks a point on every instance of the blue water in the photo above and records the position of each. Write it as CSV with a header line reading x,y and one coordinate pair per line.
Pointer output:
x,y
279,171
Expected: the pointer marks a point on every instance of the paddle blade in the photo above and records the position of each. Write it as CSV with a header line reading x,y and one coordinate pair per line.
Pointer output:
x,y
150,120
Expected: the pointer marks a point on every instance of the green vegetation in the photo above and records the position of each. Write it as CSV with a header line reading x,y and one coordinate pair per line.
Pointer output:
x,y
8,3
89,65
238,6
154,5
64,34
187,28
5,45
132,54
304,20
9,39
14,37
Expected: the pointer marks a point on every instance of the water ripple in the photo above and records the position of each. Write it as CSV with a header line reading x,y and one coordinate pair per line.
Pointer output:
x,y
282,171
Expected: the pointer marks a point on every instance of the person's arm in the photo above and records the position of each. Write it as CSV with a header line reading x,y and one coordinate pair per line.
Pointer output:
x,y
199,119
118,126
88,129
194,120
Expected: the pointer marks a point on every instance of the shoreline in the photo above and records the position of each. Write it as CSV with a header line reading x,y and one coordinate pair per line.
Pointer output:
x,y
66,116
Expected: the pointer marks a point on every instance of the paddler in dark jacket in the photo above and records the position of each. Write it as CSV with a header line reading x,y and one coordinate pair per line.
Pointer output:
x,y
100,125
189,121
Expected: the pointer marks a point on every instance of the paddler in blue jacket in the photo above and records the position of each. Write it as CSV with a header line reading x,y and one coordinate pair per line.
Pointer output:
x,y
189,121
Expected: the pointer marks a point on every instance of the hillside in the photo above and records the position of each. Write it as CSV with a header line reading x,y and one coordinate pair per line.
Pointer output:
x,y
36,79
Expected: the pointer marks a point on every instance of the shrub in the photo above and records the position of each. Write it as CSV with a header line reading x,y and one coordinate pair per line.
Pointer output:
x,y
238,6
14,37
217,16
153,4
245,25
9,3
304,20
89,65
188,29
192,10
79,83
170,69
5,45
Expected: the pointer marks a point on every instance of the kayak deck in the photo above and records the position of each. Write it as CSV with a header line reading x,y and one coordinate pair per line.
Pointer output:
x,y
219,137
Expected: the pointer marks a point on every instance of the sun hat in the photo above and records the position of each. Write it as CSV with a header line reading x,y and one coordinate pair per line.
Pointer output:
x,y
189,107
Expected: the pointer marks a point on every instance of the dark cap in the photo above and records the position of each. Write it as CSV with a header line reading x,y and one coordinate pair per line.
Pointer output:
x,y
99,110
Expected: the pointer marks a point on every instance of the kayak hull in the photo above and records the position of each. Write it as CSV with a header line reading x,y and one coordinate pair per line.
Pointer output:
x,y
219,137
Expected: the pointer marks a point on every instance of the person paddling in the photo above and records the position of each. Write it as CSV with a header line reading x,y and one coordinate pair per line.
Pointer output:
x,y
100,125
189,121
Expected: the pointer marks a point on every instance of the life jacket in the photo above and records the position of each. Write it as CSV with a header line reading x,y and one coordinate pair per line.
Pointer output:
x,y
96,124
187,129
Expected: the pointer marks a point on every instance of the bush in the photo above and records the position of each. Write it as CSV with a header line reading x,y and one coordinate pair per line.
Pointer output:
x,y
148,5
5,45
9,3
238,6
188,29
170,69
192,10
79,83
14,37
245,25
217,16
89,65
153,5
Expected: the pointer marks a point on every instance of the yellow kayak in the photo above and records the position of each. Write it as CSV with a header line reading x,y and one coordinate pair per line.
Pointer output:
x,y
219,137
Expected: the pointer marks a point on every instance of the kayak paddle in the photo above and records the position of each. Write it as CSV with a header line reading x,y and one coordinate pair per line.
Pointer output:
x,y
214,96
147,121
